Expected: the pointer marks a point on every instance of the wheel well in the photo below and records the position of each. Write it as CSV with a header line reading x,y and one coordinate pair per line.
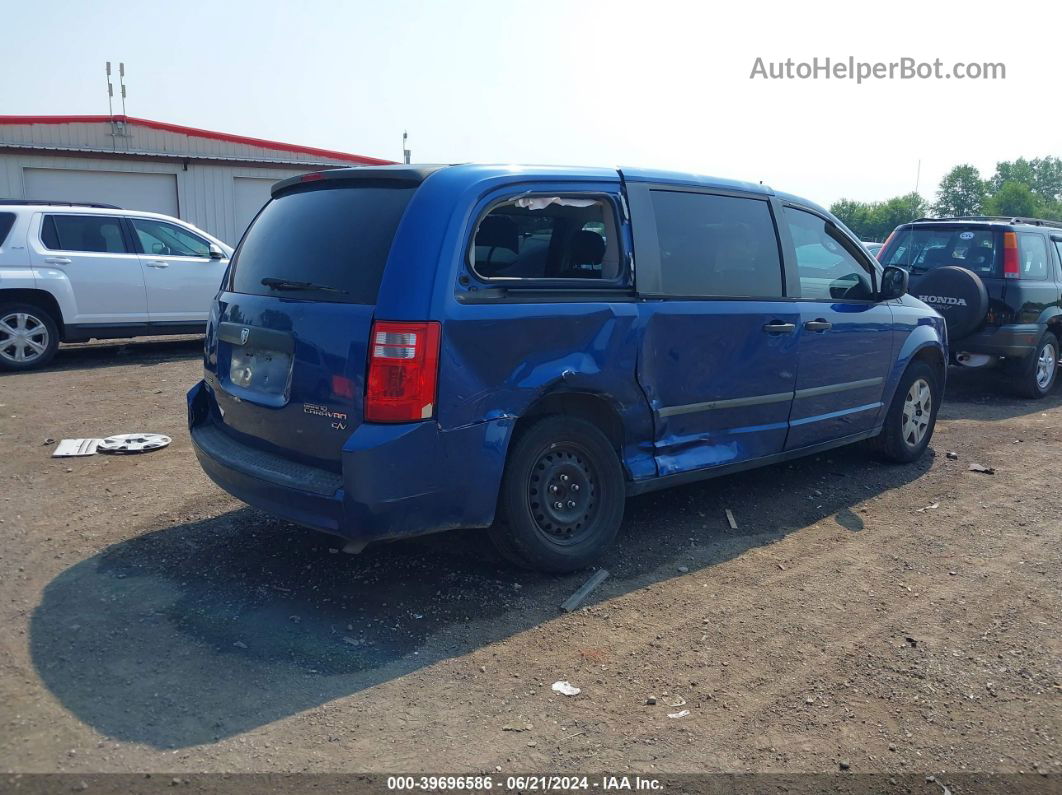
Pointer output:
x,y
932,357
41,298
1054,325
595,409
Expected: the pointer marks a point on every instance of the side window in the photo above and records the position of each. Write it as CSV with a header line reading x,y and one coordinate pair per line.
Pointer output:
x,y
716,246
168,240
1032,256
548,237
95,233
826,268
1058,253
7,220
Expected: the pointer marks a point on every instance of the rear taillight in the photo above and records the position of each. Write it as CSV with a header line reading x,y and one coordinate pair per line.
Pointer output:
x,y
403,372
1011,268
885,245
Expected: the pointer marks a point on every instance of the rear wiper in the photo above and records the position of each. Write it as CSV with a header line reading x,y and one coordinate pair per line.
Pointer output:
x,y
288,284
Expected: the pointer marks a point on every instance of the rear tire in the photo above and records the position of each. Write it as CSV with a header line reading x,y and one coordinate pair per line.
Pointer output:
x,y
912,415
1035,375
562,496
29,337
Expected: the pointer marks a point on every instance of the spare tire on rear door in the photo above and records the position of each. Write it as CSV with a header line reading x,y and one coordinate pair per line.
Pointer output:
x,y
958,294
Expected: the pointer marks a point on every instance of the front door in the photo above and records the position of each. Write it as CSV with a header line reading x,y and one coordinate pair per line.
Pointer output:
x,y
718,359
180,276
845,336
91,253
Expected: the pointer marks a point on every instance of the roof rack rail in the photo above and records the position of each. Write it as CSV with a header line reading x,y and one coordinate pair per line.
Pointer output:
x,y
1005,219
45,202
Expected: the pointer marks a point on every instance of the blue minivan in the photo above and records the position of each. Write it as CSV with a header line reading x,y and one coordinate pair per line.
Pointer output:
x,y
400,350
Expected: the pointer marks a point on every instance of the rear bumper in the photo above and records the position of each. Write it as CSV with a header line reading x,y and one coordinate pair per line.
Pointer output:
x,y
1016,341
396,480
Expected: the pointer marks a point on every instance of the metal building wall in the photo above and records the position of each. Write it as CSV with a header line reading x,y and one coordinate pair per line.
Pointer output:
x,y
205,191
204,163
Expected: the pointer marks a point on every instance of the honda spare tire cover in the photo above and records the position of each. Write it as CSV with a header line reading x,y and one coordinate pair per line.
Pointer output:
x,y
958,294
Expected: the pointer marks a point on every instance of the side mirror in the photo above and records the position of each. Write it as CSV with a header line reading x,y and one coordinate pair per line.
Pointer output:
x,y
894,283
216,252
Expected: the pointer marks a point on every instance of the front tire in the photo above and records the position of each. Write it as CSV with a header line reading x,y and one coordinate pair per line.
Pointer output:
x,y
912,415
562,496
29,337
1035,375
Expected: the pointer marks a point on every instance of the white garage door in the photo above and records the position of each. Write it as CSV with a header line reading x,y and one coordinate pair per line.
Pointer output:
x,y
127,189
251,194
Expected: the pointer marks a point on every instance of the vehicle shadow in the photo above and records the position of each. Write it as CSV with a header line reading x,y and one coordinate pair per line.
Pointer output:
x,y
196,632
986,395
122,353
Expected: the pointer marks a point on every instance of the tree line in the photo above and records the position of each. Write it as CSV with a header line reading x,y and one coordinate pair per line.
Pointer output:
x,y
1018,188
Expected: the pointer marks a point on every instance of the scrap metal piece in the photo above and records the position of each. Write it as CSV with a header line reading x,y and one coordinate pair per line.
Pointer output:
x,y
576,599
76,447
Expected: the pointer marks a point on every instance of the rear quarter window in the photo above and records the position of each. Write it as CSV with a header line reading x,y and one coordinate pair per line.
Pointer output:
x,y
1032,256
335,239
548,237
7,220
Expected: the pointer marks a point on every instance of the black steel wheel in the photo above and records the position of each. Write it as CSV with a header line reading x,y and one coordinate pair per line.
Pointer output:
x,y
562,496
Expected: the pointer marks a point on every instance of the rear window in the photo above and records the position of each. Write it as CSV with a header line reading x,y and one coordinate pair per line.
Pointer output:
x,y
328,244
7,220
921,249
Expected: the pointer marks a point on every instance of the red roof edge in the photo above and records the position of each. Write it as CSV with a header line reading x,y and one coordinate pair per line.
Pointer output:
x,y
217,136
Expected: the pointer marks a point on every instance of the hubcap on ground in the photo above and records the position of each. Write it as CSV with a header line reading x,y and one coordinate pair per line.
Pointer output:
x,y
561,493
917,409
1045,366
23,337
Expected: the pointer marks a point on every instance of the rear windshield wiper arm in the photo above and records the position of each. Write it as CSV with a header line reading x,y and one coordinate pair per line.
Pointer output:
x,y
287,284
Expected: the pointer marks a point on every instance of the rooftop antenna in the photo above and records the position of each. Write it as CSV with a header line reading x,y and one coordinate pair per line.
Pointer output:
x,y
918,176
121,81
110,92
406,152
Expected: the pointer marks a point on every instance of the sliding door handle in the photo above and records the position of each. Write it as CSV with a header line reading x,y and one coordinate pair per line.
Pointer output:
x,y
818,325
777,327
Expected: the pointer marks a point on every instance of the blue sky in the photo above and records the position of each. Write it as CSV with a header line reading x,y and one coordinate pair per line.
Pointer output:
x,y
660,84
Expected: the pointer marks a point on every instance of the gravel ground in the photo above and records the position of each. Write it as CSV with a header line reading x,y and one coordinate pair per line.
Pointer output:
x,y
871,617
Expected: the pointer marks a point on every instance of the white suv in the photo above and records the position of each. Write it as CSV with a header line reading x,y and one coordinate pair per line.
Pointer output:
x,y
72,272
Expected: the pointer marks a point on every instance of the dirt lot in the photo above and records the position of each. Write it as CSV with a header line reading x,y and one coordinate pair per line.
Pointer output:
x,y
898,619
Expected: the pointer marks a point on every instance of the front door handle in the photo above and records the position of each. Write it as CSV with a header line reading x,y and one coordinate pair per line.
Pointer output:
x,y
818,325
157,263
777,327
58,260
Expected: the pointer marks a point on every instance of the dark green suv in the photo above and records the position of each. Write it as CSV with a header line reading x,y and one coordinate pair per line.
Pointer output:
x,y
998,284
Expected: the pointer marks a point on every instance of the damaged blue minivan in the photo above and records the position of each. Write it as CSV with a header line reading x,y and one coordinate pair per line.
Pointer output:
x,y
401,350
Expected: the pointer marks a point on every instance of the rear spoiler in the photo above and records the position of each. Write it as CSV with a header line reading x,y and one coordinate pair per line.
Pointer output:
x,y
395,176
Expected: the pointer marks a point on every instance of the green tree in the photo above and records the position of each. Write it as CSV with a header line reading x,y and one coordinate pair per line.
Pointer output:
x,y
875,220
961,192
853,214
1020,170
898,210
1043,175
1015,198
